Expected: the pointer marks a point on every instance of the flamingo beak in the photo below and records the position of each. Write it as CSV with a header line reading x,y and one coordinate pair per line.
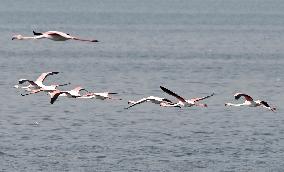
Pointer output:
x,y
95,40
13,38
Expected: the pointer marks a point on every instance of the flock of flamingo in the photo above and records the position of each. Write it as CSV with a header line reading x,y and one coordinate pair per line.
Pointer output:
x,y
37,86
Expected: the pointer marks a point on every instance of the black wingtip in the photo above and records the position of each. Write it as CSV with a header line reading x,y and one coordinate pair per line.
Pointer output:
x,y
52,100
36,33
167,100
237,97
22,81
163,88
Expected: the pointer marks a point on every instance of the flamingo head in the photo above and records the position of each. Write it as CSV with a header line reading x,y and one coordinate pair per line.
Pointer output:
x,y
19,37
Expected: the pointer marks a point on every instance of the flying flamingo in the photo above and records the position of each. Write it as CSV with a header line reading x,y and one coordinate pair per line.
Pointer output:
x,y
52,35
101,96
156,100
48,89
74,93
250,102
184,102
37,85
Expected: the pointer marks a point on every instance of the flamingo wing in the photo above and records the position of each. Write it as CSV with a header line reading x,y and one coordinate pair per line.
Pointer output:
x,y
172,94
56,94
167,101
247,97
67,36
136,103
78,89
57,33
42,77
202,98
32,92
266,105
21,81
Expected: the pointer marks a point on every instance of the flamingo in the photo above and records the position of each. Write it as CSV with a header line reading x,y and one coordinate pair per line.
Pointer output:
x,y
101,96
250,102
48,89
184,102
156,100
74,93
37,85
52,35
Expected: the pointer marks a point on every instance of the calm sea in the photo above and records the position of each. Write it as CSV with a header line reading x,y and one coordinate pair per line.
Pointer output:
x,y
190,46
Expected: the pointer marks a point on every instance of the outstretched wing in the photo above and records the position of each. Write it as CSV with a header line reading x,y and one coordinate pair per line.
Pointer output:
x,y
266,105
32,92
172,94
202,98
54,95
136,103
21,81
42,77
57,33
165,100
247,97
76,90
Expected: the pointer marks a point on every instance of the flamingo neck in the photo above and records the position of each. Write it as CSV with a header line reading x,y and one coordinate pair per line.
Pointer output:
x,y
231,104
28,37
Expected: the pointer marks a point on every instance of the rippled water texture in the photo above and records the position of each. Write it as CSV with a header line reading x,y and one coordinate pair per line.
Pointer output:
x,y
192,47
